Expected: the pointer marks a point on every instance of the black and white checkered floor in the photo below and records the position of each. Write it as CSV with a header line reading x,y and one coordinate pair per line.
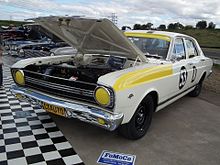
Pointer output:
x,y
28,135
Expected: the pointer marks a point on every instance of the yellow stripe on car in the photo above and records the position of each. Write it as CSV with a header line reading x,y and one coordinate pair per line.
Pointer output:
x,y
138,77
148,35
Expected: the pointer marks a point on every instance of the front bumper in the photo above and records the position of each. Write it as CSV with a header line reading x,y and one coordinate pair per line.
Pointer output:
x,y
80,111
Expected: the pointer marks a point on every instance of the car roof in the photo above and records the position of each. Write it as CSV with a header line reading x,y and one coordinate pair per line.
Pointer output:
x,y
165,33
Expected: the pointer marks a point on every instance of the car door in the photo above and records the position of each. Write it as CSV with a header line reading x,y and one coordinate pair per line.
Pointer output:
x,y
180,66
194,61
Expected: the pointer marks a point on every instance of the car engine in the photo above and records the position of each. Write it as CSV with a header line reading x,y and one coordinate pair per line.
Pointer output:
x,y
87,73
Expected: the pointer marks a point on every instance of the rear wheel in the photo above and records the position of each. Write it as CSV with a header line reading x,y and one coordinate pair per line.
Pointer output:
x,y
141,120
197,90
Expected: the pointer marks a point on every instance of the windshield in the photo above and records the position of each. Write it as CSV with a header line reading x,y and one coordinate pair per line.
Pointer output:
x,y
152,47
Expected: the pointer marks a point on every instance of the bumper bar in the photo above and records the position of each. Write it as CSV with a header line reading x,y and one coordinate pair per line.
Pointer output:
x,y
82,112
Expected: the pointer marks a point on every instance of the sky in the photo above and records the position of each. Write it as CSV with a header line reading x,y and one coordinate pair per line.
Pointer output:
x,y
129,12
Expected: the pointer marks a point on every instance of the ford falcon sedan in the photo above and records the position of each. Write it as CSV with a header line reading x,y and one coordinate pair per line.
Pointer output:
x,y
115,80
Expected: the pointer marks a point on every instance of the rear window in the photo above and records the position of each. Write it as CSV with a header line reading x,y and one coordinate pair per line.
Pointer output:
x,y
191,48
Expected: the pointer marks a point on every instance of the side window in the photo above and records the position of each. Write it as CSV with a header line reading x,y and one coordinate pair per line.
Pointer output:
x,y
191,49
178,50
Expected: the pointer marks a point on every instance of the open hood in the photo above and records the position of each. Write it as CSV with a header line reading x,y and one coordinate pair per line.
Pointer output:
x,y
91,35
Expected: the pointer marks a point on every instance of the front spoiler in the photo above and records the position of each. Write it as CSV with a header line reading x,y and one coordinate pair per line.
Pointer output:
x,y
80,111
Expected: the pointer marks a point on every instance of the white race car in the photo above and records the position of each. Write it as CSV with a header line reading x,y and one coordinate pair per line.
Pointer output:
x,y
116,80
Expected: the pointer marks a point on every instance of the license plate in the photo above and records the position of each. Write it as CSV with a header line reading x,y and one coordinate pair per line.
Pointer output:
x,y
54,109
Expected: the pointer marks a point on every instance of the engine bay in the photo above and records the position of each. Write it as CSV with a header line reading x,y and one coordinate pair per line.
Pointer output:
x,y
87,70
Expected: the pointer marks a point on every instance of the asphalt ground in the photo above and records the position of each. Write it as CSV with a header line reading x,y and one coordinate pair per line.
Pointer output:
x,y
185,133
212,53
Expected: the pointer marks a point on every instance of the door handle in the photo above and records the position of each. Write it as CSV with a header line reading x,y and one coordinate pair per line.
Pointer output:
x,y
190,63
202,60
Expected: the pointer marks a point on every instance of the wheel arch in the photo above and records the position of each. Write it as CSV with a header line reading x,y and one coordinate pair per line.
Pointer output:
x,y
155,96
153,93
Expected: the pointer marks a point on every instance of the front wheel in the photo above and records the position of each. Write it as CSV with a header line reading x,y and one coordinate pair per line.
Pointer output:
x,y
140,122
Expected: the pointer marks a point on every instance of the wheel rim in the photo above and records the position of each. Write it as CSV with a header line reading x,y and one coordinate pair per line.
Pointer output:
x,y
141,118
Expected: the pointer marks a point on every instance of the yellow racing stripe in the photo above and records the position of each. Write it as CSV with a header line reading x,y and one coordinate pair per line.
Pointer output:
x,y
148,35
142,76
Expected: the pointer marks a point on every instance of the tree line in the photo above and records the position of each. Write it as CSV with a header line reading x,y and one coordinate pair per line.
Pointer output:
x,y
172,26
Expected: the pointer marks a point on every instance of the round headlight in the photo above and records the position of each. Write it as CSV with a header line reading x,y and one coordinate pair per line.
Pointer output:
x,y
19,77
102,96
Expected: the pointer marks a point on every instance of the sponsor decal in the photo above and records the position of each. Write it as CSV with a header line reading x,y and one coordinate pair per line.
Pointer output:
x,y
114,158
194,74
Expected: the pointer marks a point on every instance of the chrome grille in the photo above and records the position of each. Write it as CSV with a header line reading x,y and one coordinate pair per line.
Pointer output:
x,y
51,85
60,87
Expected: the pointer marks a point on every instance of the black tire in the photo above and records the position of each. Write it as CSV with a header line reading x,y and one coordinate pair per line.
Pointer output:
x,y
140,122
197,90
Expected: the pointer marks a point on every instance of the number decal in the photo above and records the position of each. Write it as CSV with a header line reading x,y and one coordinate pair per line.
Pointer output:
x,y
194,74
183,77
